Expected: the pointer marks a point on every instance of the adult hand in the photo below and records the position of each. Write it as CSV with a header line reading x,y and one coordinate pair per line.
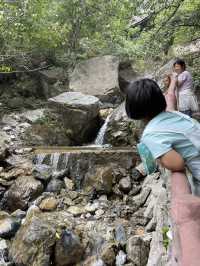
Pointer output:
x,y
174,76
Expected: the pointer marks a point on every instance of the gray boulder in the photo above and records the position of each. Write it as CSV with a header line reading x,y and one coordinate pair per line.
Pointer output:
x,y
99,77
68,249
78,113
138,249
122,131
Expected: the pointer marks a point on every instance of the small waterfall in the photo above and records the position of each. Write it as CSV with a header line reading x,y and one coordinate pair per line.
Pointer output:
x,y
100,137
57,160
54,160
39,158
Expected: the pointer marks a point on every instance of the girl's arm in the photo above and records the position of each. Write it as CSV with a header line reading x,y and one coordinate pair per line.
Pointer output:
x,y
173,161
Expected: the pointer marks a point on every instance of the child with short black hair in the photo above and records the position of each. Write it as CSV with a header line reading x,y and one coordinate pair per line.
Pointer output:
x,y
172,138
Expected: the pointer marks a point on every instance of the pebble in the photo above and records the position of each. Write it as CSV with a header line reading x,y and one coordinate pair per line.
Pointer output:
x,y
92,207
48,204
125,184
8,225
12,137
68,201
103,198
24,125
7,129
76,210
99,213
69,184
19,151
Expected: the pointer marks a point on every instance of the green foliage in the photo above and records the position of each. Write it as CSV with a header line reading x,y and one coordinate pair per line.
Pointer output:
x,y
71,30
166,240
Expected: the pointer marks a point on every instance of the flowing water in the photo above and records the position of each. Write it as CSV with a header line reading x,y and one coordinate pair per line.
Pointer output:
x,y
100,137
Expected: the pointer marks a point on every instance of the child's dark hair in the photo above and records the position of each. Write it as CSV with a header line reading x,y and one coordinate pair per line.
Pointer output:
x,y
180,62
144,99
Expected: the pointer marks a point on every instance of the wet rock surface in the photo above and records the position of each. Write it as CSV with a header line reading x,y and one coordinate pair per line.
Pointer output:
x,y
97,212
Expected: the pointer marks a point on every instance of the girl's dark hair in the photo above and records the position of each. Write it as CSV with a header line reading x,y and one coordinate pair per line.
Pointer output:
x,y
144,99
180,62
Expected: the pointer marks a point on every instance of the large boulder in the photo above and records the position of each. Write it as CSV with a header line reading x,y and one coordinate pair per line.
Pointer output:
x,y
79,114
99,77
42,239
53,81
23,190
127,75
122,131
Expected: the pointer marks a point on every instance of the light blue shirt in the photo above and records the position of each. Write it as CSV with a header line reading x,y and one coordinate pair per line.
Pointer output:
x,y
166,132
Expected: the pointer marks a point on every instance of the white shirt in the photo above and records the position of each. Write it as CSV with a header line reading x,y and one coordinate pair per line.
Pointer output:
x,y
186,79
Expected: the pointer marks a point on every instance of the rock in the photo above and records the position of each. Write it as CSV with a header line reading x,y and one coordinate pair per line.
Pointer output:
x,y
99,213
7,128
2,191
92,207
22,191
48,204
102,180
108,254
167,68
104,113
4,260
126,75
69,184
76,210
15,102
3,145
34,241
33,116
160,220
42,172
136,174
68,249
120,234
120,258
138,249
8,225
19,214
135,190
140,199
99,77
52,81
78,113
55,185
122,131
125,185
94,261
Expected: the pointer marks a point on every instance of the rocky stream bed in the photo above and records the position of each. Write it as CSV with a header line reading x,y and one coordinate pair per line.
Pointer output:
x,y
68,200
